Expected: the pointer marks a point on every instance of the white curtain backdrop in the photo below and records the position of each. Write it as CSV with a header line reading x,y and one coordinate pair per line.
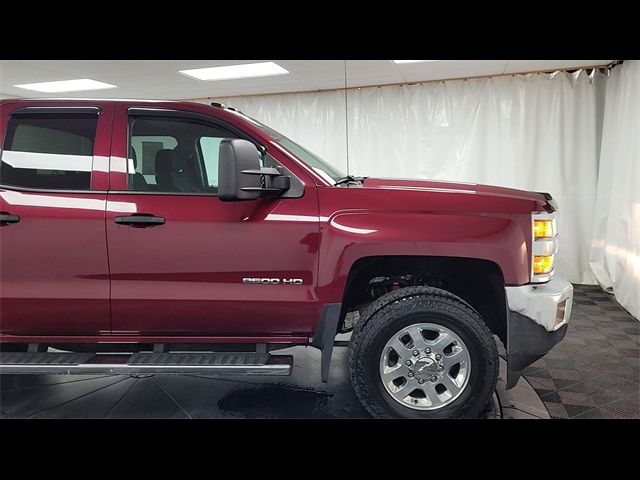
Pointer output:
x,y
536,132
615,251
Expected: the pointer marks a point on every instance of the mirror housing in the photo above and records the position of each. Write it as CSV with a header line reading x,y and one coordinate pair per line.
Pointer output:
x,y
240,176
236,155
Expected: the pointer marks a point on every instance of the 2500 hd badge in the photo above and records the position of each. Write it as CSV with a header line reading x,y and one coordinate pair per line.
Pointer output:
x,y
272,281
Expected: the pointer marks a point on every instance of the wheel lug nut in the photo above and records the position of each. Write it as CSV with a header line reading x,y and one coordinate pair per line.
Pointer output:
x,y
408,363
416,353
441,368
420,381
427,350
434,378
410,374
438,357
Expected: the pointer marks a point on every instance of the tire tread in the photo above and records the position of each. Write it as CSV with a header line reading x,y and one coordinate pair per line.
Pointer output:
x,y
374,319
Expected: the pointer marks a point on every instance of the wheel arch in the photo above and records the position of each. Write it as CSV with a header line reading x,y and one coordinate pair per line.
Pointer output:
x,y
478,282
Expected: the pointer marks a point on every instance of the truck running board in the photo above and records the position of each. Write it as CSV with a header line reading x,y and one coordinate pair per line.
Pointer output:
x,y
222,363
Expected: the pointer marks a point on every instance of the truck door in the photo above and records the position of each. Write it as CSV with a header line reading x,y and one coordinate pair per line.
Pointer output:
x,y
185,263
54,277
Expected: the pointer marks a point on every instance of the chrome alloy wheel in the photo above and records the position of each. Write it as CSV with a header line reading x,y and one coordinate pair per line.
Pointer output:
x,y
425,366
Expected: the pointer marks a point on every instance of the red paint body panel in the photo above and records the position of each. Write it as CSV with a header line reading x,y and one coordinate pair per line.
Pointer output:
x,y
54,275
71,274
427,218
185,277
150,339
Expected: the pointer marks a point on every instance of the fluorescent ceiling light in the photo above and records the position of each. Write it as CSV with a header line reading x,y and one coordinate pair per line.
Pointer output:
x,y
412,61
66,86
228,72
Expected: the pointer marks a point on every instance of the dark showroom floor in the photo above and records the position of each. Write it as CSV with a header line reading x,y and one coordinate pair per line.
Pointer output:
x,y
594,373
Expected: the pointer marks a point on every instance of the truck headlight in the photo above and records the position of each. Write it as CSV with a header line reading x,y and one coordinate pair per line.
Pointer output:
x,y
542,264
544,245
544,228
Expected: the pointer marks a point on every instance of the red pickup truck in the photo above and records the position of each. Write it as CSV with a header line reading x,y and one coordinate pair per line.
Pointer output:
x,y
175,237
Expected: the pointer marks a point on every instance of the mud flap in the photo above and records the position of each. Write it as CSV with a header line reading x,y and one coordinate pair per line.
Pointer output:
x,y
325,335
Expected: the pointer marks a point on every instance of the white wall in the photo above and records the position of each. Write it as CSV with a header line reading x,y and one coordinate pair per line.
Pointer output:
x,y
536,132
615,252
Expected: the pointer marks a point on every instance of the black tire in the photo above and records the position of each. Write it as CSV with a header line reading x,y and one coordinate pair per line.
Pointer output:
x,y
401,308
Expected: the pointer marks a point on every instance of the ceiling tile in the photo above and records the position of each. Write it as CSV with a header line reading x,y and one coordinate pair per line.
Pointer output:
x,y
308,66
12,72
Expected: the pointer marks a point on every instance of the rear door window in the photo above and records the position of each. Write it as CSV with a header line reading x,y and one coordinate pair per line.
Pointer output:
x,y
49,151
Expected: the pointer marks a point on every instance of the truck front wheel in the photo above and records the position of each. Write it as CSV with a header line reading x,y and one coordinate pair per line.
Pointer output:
x,y
422,352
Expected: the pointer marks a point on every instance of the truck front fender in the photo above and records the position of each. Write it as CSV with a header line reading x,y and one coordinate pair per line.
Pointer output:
x,y
349,236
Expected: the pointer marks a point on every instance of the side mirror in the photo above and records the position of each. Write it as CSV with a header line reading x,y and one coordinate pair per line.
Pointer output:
x,y
240,174
236,155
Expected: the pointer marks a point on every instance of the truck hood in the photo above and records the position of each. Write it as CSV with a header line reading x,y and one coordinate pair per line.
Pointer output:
x,y
454,187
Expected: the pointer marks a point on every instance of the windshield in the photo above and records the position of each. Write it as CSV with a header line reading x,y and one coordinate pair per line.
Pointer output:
x,y
328,172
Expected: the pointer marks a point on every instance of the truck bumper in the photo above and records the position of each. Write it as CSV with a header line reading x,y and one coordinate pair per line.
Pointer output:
x,y
538,319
